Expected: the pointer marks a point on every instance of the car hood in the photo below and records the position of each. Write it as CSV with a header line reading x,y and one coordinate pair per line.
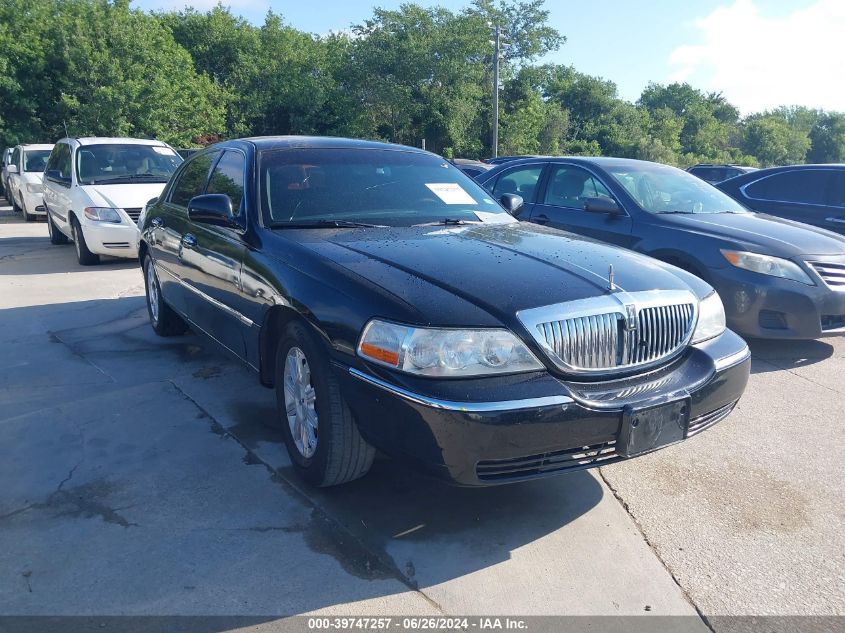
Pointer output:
x,y
500,268
126,196
33,177
761,233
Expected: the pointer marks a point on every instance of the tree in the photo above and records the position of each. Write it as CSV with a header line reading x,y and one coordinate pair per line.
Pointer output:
x,y
773,141
827,139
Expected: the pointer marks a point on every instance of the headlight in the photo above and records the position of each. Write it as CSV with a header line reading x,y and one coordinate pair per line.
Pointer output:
x,y
102,214
711,318
34,187
768,265
445,353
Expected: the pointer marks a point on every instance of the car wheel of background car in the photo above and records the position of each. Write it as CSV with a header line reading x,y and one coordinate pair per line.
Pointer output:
x,y
328,450
27,216
56,236
15,207
85,257
163,318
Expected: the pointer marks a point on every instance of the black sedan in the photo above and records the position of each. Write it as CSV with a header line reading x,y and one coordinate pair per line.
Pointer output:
x,y
777,278
812,194
393,304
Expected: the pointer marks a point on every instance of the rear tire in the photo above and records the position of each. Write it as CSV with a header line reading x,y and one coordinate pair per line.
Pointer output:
x,y
85,256
303,376
56,236
163,318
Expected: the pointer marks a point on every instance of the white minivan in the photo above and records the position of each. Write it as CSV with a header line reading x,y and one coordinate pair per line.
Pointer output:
x,y
25,172
95,188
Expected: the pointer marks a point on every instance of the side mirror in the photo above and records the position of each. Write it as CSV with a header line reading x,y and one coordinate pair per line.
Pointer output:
x,y
12,169
211,208
602,205
512,202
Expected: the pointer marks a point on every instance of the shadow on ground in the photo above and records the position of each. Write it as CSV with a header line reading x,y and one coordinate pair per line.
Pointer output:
x,y
778,355
132,456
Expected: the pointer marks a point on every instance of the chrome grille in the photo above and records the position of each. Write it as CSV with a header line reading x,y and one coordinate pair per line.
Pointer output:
x,y
832,274
134,213
614,331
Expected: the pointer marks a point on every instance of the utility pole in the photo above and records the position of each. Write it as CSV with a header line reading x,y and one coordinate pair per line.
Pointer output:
x,y
497,44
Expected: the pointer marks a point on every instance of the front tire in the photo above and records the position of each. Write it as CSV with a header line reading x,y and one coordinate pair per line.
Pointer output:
x,y
320,433
163,318
85,256
56,236
27,216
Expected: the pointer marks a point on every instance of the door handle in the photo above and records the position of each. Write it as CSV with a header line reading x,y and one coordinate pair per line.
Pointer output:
x,y
157,223
541,219
835,220
189,241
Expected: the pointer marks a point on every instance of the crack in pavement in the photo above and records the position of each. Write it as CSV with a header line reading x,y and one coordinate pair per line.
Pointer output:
x,y
653,549
381,557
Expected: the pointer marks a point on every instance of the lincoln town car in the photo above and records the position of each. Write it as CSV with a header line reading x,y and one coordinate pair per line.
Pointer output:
x,y
395,305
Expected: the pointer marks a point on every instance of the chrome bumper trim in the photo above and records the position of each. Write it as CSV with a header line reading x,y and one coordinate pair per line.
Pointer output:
x,y
465,407
734,359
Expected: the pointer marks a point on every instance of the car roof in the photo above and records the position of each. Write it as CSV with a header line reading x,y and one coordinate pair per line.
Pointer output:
x,y
330,142
115,140
601,161
36,145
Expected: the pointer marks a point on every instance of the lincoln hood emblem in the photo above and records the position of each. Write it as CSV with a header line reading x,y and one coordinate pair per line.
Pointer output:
x,y
630,317
610,284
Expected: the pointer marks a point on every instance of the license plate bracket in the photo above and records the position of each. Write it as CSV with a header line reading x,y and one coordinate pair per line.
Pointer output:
x,y
645,429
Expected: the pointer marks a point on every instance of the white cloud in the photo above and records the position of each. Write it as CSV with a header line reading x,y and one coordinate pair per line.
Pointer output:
x,y
760,62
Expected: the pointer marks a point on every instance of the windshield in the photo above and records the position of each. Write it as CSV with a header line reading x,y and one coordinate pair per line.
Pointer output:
x,y
35,159
663,189
116,164
372,186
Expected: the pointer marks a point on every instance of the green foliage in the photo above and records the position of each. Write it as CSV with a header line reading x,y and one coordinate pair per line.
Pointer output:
x,y
190,77
827,138
773,140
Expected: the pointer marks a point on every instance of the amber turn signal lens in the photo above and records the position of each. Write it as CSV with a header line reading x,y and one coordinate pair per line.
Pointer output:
x,y
378,353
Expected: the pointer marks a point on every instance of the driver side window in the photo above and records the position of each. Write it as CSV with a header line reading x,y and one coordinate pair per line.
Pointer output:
x,y
192,180
570,187
521,181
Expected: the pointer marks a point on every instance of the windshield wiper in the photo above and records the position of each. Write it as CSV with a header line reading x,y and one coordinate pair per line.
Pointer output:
x,y
330,224
450,222
144,176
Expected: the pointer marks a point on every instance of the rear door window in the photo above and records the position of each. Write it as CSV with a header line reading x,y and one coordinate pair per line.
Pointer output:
x,y
837,190
804,186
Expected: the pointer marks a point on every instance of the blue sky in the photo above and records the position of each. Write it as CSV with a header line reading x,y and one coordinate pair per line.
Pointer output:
x,y
759,53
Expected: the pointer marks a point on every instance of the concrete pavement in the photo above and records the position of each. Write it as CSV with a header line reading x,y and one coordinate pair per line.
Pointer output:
x,y
148,477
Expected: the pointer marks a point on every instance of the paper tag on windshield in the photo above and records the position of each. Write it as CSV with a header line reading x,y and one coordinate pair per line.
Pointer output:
x,y
450,193
164,151
494,218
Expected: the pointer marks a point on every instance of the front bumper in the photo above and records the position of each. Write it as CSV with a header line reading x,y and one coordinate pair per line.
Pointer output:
x,y
116,240
33,203
513,428
760,306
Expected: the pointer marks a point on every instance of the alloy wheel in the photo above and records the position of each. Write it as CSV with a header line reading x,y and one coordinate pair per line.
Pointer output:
x,y
300,400
75,233
152,292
